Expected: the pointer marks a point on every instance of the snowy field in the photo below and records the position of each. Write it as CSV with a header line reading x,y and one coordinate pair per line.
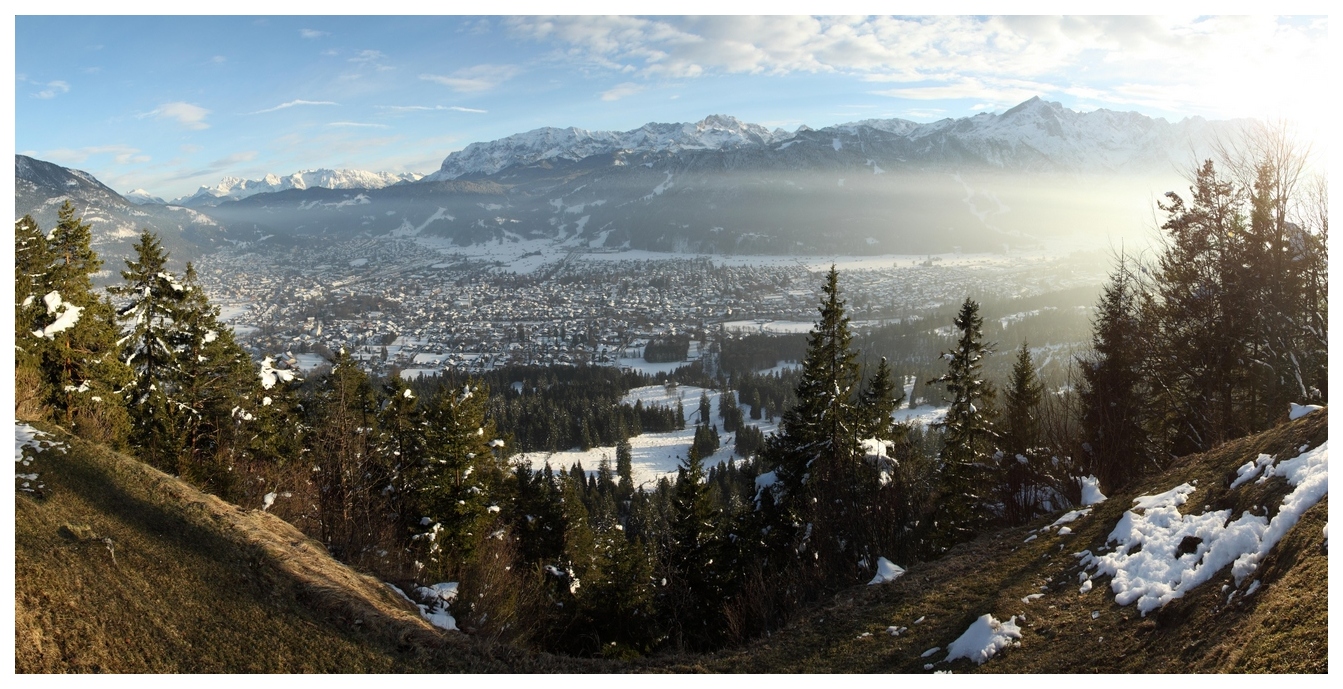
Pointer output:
x,y
655,455
775,327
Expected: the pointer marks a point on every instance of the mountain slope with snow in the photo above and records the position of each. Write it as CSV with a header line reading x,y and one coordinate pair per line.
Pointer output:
x,y
234,188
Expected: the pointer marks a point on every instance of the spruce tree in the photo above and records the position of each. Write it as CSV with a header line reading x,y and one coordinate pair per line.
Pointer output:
x,y
214,376
32,267
74,338
1114,393
624,470
695,597
150,349
1021,408
462,474
879,400
968,469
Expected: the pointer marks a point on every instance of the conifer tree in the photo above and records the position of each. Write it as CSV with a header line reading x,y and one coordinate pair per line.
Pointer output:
x,y
462,474
968,469
624,470
402,446
879,400
74,337
342,414
1021,409
213,377
1113,393
32,265
150,350
695,597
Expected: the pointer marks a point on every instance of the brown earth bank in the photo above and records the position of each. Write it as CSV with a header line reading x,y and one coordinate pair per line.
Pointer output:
x,y
121,568
1282,627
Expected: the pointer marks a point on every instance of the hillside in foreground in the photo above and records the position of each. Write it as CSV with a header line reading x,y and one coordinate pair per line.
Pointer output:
x,y
1275,619
120,568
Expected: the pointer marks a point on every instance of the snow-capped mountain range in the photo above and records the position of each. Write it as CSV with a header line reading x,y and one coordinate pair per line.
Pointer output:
x,y
717,185
1036,134
234,188
715,132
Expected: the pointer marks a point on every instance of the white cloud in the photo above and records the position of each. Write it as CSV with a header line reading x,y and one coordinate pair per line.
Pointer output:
x,y
219,59
122,154
367,56
356,124
186,114
621,90
475,79
1002,60
293,103
430,108
53,89
312,33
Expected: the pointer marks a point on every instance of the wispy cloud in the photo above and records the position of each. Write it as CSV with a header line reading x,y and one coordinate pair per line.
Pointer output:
x,y
293,103
357,124
312,33
186,114
628,88
122,154
368,56
53,89
475,79
1136,60
219,59
430,108
215,167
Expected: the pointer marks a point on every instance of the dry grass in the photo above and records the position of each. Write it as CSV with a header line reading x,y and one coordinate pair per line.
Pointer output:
x,y
121,568
1283,627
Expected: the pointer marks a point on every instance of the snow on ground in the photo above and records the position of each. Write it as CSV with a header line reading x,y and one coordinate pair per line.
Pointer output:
x,y
413,373
1147,565
779,368
764,326
985,637
36,441
923,415
308,362
638,364
886,571
1296,411
1091,491
655,455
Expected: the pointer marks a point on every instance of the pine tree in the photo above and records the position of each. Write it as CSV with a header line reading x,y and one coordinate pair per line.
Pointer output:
x,y
402,447
695,596
462,475
624,470
342,414
879,400
968,469
1021,409
1113,392
32,266
213,377
1024,461
149,349
74,338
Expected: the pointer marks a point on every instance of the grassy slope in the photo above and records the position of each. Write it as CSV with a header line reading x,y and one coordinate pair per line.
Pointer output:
x,y
1283,627
193,584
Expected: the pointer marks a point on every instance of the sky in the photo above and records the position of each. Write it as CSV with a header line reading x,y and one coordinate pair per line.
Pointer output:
x,y
168,104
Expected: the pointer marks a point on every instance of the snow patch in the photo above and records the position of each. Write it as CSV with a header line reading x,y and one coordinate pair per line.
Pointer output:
x,y
985,637
886,570
1091,491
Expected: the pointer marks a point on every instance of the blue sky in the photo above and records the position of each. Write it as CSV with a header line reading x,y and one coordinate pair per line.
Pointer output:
x,y
171,103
